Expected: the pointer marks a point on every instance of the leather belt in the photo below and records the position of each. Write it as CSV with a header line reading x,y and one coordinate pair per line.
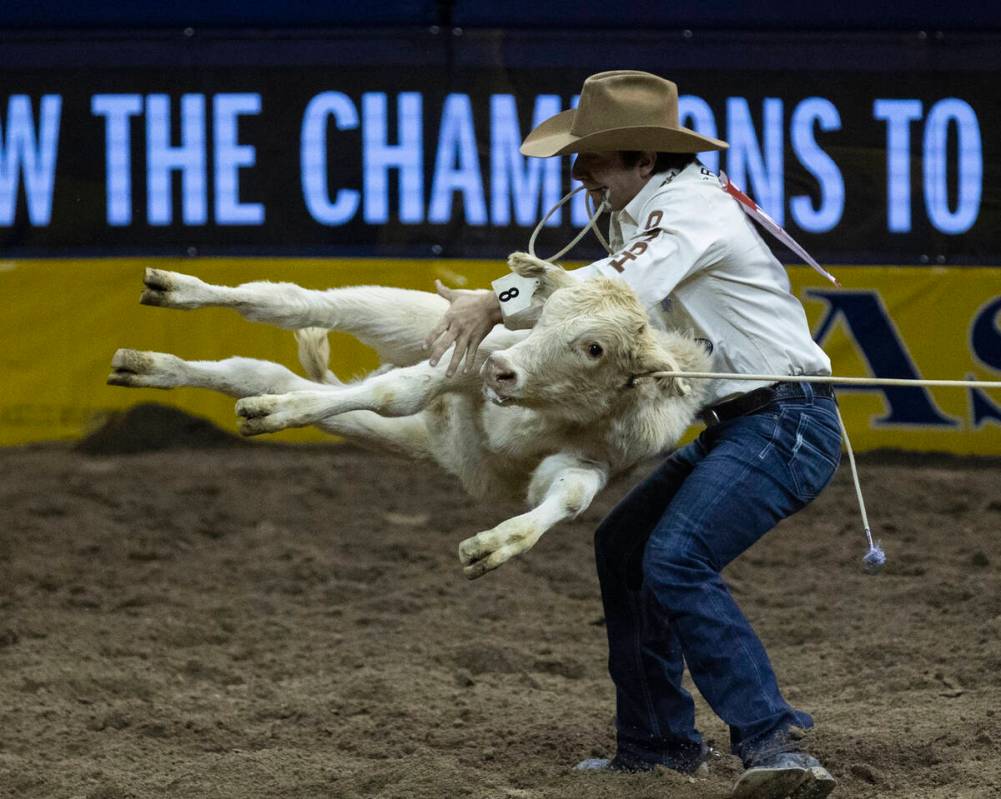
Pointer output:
x,y
754,401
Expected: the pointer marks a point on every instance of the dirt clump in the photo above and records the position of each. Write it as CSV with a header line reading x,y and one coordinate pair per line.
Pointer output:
x,y
151,427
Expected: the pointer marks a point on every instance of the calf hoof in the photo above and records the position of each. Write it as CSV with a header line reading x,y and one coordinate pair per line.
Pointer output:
x,y
135,369
253,427
170,290
490,549
260,415
269,413
475,548
469,553
256,407
158,284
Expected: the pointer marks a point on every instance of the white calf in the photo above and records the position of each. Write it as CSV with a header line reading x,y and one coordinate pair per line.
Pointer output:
x,y
570,406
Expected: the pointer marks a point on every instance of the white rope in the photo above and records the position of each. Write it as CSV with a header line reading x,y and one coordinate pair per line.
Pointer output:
x,y
597,231
875,559
840,381
602,206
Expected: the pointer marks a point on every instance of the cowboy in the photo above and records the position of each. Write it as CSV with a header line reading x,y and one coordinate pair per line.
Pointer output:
x,y
698,264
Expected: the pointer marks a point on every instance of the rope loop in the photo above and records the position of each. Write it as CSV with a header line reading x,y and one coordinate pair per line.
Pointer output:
x,y
602,206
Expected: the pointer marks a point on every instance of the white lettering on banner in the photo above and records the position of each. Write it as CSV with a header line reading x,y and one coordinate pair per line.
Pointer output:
x,y
695,113
34,158
760,174
457,167
935,162
898,115
117,110
832,186
515,179
579,213
313,158
190,157
230,156
379,156
163,158
175,135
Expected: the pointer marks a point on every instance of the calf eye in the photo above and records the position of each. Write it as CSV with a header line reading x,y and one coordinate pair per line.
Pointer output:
x,y
594,350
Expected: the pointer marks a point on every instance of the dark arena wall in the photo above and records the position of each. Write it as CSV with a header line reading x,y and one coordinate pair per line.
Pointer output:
x,y
870,149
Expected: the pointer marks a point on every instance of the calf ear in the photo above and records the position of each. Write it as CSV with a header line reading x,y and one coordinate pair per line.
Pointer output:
x,y
550,276
654,358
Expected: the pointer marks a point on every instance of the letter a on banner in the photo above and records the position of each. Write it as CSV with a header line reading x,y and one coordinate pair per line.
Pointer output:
x,y
872,330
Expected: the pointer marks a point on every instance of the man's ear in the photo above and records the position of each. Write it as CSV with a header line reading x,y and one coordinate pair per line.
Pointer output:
x,y
647,162
550,276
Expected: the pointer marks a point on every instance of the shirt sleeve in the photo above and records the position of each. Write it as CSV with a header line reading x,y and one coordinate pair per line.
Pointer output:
x,y
666,249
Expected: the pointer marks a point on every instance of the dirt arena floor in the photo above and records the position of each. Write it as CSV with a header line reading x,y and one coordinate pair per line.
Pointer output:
x,y
280,622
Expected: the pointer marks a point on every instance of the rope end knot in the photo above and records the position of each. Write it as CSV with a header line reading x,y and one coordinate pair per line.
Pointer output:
x,y
875,559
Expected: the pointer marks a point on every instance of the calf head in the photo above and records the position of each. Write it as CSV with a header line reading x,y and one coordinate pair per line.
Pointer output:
x,y
583,356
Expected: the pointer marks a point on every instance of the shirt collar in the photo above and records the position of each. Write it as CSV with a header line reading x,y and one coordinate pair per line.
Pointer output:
x,y
631,213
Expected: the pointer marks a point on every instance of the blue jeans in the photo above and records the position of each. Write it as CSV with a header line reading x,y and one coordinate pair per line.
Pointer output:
x,y
659,555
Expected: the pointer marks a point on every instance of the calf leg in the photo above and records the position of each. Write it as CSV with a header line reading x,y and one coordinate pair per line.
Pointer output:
x,y
562,487
237,377
248,377
392,321
399,392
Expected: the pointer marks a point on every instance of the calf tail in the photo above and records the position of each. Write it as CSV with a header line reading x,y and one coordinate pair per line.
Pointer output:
x,y
314,354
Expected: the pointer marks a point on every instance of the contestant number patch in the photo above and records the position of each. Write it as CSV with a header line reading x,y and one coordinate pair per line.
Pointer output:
x,y
514,293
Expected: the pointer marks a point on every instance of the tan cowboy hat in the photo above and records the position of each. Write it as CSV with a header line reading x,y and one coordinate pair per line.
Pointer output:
x,y
620,110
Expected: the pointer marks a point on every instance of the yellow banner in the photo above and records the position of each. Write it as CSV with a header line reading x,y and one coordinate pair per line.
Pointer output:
x,y
63,319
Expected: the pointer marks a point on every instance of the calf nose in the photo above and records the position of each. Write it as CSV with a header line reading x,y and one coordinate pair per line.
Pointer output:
x,y
499,374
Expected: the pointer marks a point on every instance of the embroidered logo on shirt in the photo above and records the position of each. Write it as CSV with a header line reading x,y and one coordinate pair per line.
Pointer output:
x,y
638,248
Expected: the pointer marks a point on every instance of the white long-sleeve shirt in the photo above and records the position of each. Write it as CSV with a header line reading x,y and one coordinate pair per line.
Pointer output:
x,y
697,263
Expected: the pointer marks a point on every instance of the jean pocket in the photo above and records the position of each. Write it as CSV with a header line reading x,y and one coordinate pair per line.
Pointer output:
x,y
815,455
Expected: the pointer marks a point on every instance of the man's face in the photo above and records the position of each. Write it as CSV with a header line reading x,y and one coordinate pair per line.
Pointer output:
x,y
606,170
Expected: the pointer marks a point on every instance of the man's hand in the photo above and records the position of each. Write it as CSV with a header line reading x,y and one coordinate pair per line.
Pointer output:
x,y
466,323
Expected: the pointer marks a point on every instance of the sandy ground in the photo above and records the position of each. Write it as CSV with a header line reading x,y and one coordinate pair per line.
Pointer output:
x,y
293,622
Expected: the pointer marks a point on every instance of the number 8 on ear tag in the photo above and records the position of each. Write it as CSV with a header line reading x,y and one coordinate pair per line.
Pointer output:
x,y
514,293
